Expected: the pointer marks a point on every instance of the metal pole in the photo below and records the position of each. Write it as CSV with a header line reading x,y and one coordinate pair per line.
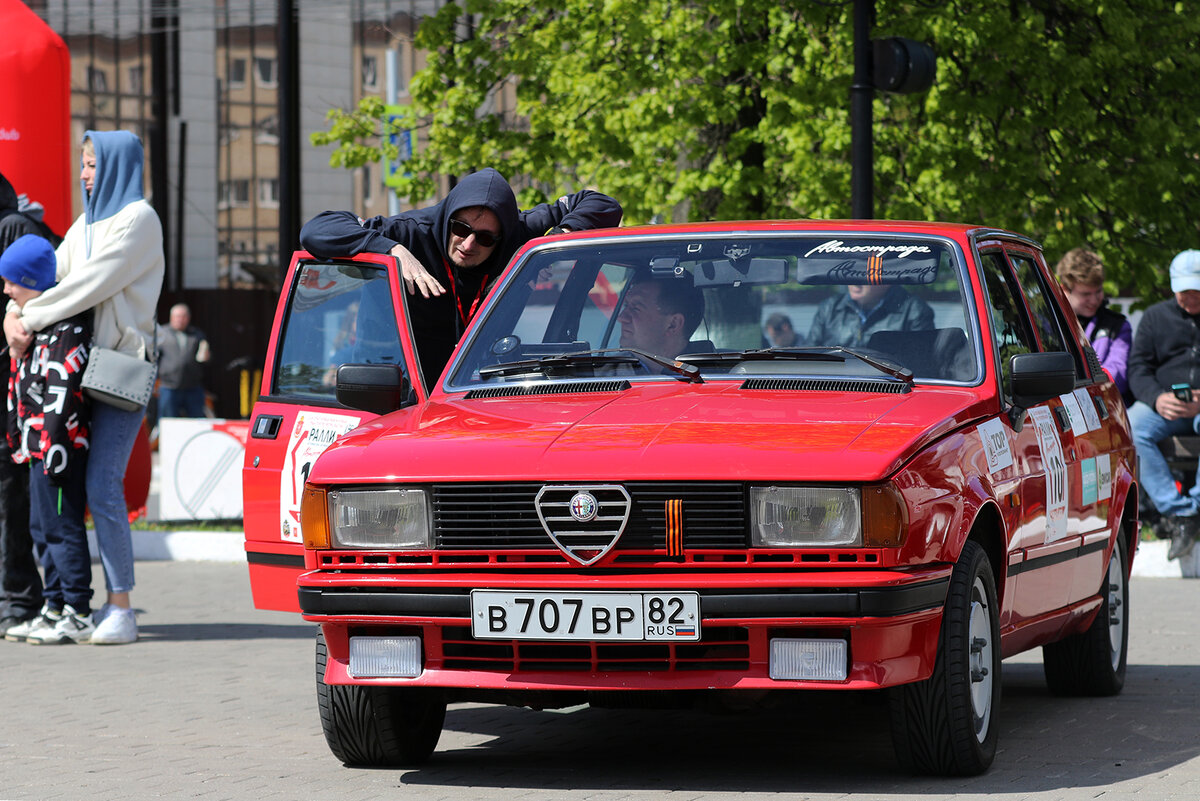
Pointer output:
x,y
862,94
287,42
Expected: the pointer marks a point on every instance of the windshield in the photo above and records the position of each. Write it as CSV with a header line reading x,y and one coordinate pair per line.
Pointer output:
x,y
812,305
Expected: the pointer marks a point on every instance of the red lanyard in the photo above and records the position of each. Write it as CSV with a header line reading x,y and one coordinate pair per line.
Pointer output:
x,y
464,316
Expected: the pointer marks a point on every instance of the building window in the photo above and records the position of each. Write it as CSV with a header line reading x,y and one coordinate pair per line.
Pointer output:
x,y
97,80
266,131
135,79
268,192
368,187
370,73
264,72
234,194
237,73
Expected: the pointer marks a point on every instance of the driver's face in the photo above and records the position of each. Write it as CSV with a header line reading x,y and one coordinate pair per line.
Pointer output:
x,y
866,295
643,324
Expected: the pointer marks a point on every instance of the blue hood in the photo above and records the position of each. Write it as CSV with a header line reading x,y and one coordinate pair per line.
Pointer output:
x,y
489,189
118,180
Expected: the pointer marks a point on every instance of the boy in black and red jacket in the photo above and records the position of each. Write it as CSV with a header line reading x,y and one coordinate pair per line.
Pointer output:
x,y
48,418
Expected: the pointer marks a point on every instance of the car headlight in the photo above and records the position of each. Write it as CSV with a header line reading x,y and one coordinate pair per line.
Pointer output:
x,y
379,518
790,517
872,516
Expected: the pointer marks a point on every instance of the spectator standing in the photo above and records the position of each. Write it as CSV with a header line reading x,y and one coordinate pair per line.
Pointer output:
x,y
1166,353
48,429
451,253
20,583
1081,273
182,354
111,261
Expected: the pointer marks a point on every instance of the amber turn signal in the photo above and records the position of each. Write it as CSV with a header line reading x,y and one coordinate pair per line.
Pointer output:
x,y
314,517
885,516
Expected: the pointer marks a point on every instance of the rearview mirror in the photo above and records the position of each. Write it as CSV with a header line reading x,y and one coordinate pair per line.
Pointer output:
x,y
1037,377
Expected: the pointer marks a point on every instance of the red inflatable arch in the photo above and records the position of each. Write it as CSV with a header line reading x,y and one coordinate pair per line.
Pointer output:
x,y
36,154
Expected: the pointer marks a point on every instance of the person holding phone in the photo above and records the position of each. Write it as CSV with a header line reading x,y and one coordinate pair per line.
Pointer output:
x,y
1164,376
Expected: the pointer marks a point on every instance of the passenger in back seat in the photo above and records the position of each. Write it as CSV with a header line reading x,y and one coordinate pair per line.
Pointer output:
x,y
850,319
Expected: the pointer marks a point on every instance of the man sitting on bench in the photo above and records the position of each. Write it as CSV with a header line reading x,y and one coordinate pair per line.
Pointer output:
x,y
1164,375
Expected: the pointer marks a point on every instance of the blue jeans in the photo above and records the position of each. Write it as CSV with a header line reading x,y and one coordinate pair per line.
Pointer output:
x,y
1149,429
56,523
185,402
113,433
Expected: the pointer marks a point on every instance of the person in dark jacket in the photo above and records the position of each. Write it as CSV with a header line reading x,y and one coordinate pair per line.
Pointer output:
x,y
48,422
849,319
1166,353
20,583
451,253
1081,273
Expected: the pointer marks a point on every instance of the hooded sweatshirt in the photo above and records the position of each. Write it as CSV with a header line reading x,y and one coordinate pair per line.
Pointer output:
x,y
111,259
14,225
438,322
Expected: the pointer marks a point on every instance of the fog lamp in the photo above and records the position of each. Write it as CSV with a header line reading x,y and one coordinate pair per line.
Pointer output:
x,y
808,660
385,657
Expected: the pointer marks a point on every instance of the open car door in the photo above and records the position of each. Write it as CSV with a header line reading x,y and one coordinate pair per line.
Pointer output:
x,y
343,311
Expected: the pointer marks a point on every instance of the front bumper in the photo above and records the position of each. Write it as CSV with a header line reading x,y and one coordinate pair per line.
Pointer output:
x,y
890,620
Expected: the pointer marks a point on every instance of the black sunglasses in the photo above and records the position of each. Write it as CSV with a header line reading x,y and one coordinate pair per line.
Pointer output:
x,y
485,238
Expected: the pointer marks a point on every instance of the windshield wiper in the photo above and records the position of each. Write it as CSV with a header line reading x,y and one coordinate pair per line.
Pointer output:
x,y
592,358
814,354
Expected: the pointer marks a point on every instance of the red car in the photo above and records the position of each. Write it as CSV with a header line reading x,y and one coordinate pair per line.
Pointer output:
x,y
622,489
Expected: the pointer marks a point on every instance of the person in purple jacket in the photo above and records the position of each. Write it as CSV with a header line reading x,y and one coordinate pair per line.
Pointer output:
x,y
1081,273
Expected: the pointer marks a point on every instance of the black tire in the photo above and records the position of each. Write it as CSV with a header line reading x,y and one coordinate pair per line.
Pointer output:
x,y
378,726
1093,661
947,724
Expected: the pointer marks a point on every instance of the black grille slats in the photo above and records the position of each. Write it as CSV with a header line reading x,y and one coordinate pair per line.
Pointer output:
x,y
504,516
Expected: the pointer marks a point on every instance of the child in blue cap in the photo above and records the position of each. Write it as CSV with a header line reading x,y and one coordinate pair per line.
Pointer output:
x,y
48,418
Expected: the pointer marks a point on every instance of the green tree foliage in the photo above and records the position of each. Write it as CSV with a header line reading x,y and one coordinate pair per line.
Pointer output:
x,y
1073,121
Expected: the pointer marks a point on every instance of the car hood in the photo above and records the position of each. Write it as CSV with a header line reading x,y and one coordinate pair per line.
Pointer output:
x,y
651,431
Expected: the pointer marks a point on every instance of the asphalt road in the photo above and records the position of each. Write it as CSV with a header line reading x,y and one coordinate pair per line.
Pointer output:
x,y
217,702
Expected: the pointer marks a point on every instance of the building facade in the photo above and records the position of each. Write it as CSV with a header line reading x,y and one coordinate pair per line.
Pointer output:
x,y
199,82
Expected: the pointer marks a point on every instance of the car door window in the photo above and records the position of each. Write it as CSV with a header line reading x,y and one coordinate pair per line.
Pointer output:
x,y
1011,332
1045,315
340,313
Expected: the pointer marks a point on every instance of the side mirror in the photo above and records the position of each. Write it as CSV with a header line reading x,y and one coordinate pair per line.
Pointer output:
x,y
378,388
1037,377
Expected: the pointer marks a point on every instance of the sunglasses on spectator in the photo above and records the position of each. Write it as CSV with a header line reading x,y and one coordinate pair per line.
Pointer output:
x,y
485,238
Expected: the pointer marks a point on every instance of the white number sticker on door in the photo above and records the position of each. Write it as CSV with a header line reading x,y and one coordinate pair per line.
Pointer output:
x,y
1055,466
311,435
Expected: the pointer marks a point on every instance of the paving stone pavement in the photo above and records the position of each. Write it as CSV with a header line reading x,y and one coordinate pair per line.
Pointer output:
x,y
217,702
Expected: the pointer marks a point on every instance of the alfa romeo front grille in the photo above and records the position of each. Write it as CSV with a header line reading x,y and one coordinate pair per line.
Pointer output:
x,y
505,516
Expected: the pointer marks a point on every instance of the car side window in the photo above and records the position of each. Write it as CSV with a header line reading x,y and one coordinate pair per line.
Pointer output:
x,y
1011,332
338,314
1044,309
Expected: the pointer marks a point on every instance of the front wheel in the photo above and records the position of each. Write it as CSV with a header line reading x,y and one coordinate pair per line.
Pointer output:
x,y
377,726
1093,661
946,724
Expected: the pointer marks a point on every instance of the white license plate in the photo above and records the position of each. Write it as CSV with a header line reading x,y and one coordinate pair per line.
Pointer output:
x,y
638,616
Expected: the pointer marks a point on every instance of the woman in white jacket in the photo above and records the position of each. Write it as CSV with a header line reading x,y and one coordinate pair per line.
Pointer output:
x,y
111,261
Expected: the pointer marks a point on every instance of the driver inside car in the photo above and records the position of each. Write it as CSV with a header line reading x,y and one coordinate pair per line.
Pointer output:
x,y
660,313
848,319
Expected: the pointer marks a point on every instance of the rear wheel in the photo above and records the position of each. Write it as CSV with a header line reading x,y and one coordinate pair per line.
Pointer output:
x,y
377,726
1093,661
946,725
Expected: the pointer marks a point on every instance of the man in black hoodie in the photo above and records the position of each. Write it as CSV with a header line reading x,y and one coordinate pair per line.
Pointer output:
x,y
450,254
1166,355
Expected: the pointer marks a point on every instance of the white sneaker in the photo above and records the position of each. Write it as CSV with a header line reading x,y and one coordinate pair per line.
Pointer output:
x,y
72,627
118,627
44,619
101,613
